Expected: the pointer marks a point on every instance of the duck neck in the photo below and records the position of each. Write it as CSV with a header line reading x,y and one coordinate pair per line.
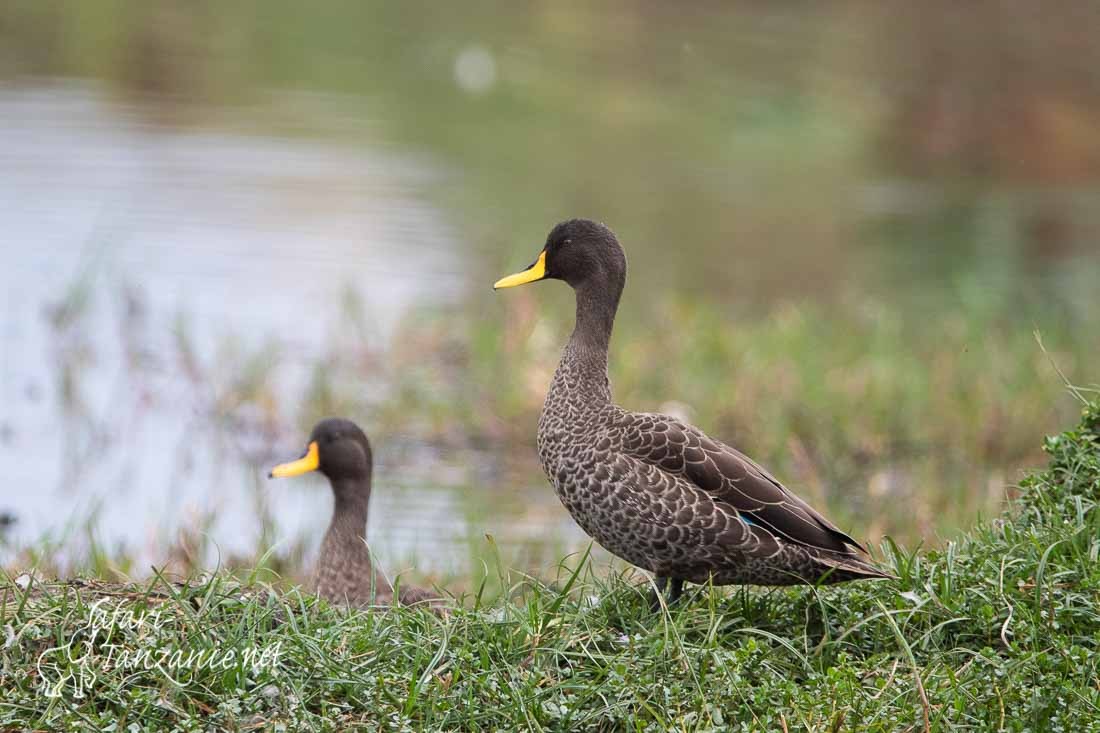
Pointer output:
x,y
345,570
349,513
583,369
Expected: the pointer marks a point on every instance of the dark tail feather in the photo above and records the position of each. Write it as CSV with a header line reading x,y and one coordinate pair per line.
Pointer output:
x,y
841,568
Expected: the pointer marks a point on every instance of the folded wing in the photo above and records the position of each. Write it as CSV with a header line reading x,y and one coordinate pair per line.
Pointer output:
x,y
730,477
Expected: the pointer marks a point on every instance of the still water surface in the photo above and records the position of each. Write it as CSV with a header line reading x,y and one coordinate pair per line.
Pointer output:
x,y
253,238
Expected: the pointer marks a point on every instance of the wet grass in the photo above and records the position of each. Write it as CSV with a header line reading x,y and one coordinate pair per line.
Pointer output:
x,y
995,631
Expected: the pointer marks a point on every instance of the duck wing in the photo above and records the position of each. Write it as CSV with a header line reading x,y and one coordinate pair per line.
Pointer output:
x,y
730,477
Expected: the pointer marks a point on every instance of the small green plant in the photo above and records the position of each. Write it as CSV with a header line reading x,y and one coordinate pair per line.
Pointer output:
x,y
997,630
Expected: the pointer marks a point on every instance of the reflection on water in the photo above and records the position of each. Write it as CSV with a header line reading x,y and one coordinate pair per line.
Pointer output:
x,y
158,236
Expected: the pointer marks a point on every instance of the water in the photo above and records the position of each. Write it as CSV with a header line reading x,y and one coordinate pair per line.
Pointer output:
x,y
245,236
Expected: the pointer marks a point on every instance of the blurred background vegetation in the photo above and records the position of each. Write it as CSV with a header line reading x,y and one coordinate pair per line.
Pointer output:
x,y
846,223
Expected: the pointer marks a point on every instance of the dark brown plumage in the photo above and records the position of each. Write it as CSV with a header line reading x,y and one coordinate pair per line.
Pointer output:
x,y
345,571
651,489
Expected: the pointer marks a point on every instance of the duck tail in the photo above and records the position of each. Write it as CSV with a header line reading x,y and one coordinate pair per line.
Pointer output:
x,y
841,568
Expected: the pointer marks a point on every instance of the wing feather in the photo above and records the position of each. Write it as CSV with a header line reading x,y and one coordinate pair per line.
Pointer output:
x,y
732,478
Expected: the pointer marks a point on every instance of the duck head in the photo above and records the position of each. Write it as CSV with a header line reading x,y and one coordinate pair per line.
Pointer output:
x,y
338,449
583,253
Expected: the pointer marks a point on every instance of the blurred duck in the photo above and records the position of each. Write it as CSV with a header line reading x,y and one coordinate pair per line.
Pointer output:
x,y
345,570
653,490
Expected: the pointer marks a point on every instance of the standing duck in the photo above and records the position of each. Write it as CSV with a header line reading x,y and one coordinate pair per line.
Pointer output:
x,y
651,489
345,570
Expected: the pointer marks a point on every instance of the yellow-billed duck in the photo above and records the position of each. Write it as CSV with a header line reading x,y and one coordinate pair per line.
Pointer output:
x,y
345,572
651,489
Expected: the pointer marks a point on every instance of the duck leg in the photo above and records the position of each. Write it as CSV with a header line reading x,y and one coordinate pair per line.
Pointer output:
x,y
675,590
674,586
655,594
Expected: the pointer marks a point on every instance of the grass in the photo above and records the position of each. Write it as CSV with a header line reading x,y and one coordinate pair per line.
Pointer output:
x,y
997,630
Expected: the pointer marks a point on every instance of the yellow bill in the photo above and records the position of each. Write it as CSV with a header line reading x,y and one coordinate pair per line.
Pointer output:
x,y
309,462
535,272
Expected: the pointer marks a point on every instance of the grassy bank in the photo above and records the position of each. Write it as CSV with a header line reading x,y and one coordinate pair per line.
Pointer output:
x,y
996,631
